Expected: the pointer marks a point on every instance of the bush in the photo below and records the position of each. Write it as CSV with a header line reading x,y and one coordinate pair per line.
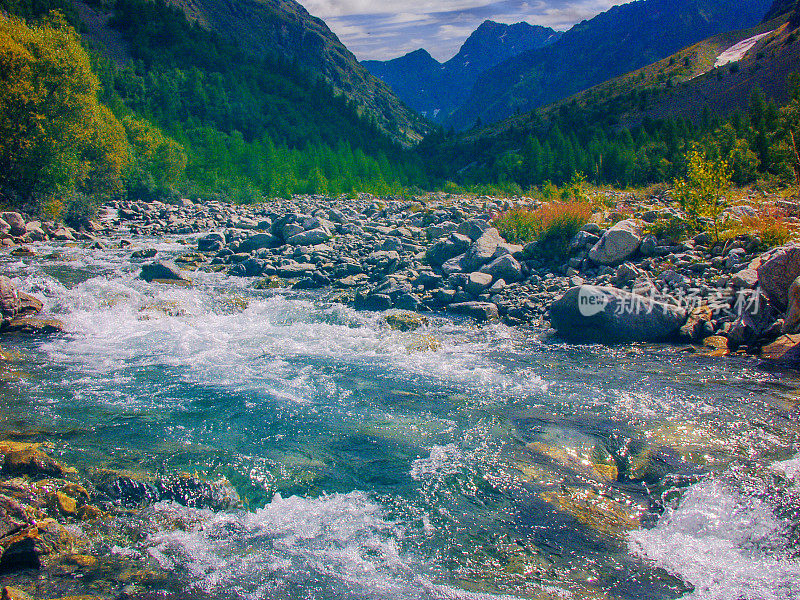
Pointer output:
x,y
769,225
556,222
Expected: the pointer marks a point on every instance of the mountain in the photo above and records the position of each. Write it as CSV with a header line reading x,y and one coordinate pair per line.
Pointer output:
x,y
620,40
285,29
435,89
634,129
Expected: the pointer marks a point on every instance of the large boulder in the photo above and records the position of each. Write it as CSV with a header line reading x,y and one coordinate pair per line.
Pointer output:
x,y
609,315
444,250
259,241
9,298
777,272
483,250
506,268
618,243
15,221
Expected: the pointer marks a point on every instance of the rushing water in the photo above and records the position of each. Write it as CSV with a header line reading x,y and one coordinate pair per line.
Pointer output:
x,y
452,462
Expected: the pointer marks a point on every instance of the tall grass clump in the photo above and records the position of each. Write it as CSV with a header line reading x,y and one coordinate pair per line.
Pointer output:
x,y
555,222
769,225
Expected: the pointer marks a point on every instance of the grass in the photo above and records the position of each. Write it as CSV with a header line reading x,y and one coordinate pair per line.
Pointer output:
x,y
557,221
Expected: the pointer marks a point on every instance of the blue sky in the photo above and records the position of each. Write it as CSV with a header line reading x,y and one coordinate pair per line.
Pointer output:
x,y
382,29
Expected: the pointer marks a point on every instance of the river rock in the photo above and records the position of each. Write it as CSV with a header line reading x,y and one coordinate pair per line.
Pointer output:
x,y
777,273
9,298
506,268
478,283
792,321
442,251
784,351
259,241
405,321
480,311
312,237
482,250
33,326
618,243
15,221
212,242
21,458
162,270
609,315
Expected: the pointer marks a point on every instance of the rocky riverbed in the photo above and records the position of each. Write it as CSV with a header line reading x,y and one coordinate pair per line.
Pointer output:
x,y
441,253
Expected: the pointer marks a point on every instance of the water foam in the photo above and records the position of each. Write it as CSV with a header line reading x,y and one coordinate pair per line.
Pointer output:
x,y
727,546
334,546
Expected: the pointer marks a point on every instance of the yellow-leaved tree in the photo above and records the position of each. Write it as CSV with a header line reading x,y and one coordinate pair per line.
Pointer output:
x,y
55,136
702,193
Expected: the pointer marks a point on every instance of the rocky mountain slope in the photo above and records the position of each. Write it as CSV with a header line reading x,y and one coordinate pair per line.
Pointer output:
x,y
624,38
435,89
284,28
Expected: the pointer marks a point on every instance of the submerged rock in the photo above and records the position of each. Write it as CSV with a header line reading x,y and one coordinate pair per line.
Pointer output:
x,y
129,490
609,315
405,321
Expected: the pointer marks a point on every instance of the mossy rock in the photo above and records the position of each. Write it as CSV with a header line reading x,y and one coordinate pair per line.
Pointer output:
x,y
423,343
405,321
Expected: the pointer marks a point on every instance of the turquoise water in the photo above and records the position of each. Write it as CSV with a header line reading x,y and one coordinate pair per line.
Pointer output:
x,y
501,463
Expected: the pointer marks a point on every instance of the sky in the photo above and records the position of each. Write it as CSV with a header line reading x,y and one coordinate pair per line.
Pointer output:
x,y
385,29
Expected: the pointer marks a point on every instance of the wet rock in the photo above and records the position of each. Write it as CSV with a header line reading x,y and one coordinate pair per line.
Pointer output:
x,y
162,271
753,323
33,326
618,243
597,512
482,312
9,298
12,516
609,315
784,351
144,253
405,321
423,343
21,458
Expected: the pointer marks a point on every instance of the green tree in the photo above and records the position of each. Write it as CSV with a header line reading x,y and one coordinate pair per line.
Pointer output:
x,y
55,136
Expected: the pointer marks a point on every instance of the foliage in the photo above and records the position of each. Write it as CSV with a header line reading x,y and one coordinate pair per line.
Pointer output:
x,y
769,225
673,228
554,222
702,193
55,136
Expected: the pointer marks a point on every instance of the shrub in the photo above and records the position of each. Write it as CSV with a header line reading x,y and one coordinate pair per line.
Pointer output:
x,y
673,228
769,225
556,222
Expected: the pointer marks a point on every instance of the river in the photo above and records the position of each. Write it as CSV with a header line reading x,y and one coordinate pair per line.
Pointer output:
x,y
449,462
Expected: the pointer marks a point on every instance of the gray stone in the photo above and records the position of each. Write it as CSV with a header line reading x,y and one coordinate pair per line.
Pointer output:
x,y
480,311
618,243
211,242
454,265
444,250
745,279
312,237
473,229
777,272
482,250
478,283
609,315
259,241
506,267
15,222
165,270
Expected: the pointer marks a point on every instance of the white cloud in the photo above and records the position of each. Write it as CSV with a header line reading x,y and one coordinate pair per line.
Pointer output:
x,y
382,30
